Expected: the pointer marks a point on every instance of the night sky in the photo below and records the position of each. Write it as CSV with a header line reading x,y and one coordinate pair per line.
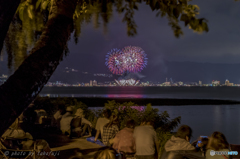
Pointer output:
x,y
167,55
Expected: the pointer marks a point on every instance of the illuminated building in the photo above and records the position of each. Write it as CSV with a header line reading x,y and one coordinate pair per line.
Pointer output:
x,y
90,82
227,82
200,83
167,84
94,83
86,84
215,83
231,84
129,82
180,83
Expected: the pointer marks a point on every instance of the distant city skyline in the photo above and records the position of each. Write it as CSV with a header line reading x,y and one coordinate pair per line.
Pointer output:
x,y
133,82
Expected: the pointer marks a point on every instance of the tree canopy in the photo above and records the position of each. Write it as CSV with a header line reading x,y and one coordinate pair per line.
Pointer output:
x,y
32,15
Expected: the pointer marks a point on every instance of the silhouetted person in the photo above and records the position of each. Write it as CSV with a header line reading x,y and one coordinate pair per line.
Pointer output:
x,y
179,147
101,122
110,130
217,142
58,115
65,123
85,124
146,140
124,140
108,153
28,119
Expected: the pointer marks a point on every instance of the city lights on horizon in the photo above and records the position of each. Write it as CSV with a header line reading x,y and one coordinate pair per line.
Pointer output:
x,y
132,82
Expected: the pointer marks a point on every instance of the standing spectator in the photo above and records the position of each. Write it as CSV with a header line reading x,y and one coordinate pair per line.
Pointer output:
x,y
217,142
65,123
110,130
146,141
85,124
179,146
101,122
124,141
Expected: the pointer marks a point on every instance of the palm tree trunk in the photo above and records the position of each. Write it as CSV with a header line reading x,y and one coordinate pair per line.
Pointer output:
x,y
28,80
7,11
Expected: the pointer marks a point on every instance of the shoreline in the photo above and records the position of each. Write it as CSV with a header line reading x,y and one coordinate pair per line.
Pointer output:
x,y
99,102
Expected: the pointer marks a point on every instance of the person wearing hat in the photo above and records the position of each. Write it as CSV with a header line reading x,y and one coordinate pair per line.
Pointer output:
x,y
84,123
65,123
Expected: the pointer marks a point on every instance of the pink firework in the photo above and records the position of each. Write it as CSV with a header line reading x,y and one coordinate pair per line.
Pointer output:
x,y
114,61
134,59
130,59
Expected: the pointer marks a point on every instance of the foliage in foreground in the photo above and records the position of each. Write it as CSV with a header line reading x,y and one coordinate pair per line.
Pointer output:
x,y
162,122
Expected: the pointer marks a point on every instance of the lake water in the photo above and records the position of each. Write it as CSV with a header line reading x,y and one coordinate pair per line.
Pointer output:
x,y
226,93
204,120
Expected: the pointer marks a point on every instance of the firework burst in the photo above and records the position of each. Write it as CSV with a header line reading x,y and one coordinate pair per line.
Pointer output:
x,y
134,59
114,61
130,59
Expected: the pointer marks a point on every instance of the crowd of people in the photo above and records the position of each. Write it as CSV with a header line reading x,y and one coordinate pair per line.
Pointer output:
x,y
72,125
132,141
141,142
20,135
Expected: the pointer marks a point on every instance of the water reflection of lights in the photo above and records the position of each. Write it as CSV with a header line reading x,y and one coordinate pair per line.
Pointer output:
x,y
95,95
125,96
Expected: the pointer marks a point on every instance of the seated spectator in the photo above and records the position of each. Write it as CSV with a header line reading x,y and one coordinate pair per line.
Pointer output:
x,y
217,142
65,123
25,141
58,115
29,116
110,130
85,124
146,140
76,129
28,120
101,122
202,146
124,141
179,147
40,115
108,153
